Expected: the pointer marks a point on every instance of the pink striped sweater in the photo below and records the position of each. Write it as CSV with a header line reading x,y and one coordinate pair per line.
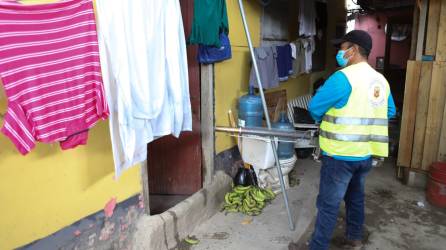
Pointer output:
x,y
50,68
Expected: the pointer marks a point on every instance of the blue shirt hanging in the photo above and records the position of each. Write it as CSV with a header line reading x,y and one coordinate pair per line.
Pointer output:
x,y
211,54
284,62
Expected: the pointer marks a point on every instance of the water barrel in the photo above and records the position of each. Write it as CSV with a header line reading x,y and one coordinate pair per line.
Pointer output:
x,y
436,185
285,150
250,110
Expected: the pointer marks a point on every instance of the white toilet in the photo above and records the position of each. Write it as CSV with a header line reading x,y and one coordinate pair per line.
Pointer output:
x,y
257,151
286,165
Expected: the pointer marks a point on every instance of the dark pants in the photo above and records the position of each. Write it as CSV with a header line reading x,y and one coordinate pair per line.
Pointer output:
x,y
340,180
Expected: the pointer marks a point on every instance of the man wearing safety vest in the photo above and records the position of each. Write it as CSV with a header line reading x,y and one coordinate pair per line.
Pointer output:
x,y
354,106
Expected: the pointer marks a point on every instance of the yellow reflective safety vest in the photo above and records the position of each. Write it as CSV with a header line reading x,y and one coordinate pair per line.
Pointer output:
x,y
360,128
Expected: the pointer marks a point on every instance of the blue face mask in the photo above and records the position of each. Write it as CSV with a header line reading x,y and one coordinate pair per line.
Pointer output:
x,y
340,58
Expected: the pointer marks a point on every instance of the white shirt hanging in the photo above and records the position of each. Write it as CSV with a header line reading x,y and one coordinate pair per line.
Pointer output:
x,y
307,18
143,53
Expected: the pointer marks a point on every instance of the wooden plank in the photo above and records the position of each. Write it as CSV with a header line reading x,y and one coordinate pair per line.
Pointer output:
x,y
409,109
432,27
207,122
421,30
414,34
442,147
280,107
441,41
435,114
145,187
421,114
272,99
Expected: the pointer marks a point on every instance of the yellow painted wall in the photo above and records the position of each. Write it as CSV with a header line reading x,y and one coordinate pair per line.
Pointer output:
x,y
49,189
232,76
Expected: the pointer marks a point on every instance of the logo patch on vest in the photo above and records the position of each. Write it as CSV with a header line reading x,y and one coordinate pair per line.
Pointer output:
x,y
377,93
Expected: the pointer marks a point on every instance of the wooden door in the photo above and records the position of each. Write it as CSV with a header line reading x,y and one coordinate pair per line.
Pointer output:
x,y
174,165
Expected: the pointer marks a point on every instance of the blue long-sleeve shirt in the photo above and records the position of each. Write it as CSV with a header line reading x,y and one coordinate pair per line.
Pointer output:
x,y
335,93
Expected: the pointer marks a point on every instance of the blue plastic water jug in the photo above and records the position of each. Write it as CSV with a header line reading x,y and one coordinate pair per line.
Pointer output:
x,y
250,110
285,150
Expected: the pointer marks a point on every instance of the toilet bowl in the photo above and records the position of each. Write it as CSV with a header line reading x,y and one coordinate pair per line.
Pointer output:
x,y
257,151
268,178
286,165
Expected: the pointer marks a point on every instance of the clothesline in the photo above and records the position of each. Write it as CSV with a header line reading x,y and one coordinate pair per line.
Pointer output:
x,y
277,63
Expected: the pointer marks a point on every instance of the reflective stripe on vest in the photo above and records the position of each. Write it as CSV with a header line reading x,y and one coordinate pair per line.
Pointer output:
x,y
354,138
355,121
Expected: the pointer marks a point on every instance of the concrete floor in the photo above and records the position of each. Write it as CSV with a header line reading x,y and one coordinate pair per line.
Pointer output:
x,y
394,220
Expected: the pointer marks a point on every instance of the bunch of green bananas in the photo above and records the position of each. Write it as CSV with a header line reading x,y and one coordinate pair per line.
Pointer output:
x,y
249,200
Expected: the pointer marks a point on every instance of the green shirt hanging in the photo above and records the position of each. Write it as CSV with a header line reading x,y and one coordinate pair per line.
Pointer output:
x,y
210,19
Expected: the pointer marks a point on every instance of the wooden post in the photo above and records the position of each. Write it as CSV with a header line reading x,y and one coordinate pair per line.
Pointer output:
x,y
409,108
207,122
441,41
421,30
435,114
414,35
145,187
432,27
442,147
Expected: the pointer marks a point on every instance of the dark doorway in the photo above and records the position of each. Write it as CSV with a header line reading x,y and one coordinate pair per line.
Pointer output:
x,y
174,165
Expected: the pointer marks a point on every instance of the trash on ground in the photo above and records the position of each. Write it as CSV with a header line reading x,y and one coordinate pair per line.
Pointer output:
x,y
247,221
192,240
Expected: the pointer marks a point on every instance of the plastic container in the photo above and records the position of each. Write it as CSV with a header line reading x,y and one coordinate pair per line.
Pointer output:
x,y
436,185
257,151
285,150
250,110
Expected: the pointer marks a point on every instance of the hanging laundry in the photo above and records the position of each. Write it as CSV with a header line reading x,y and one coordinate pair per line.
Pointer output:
x,y
307,18
144,65
304,56
299,61
210,54
308,46
284,62
210,19
50,67
266,62
293,50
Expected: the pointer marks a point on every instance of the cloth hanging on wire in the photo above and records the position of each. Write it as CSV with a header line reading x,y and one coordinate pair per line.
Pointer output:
x,y
307,18
267,65
284,61
210,20
143,53
304,56
211,54
50,67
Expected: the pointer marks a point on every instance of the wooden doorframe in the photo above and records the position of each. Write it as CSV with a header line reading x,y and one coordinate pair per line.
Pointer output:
x,y
207,135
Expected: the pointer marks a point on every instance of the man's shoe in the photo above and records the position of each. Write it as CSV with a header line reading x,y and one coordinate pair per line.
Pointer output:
x,y
352,244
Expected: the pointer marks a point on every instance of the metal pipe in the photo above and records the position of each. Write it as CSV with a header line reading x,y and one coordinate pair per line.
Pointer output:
x,y
265,132
265,110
